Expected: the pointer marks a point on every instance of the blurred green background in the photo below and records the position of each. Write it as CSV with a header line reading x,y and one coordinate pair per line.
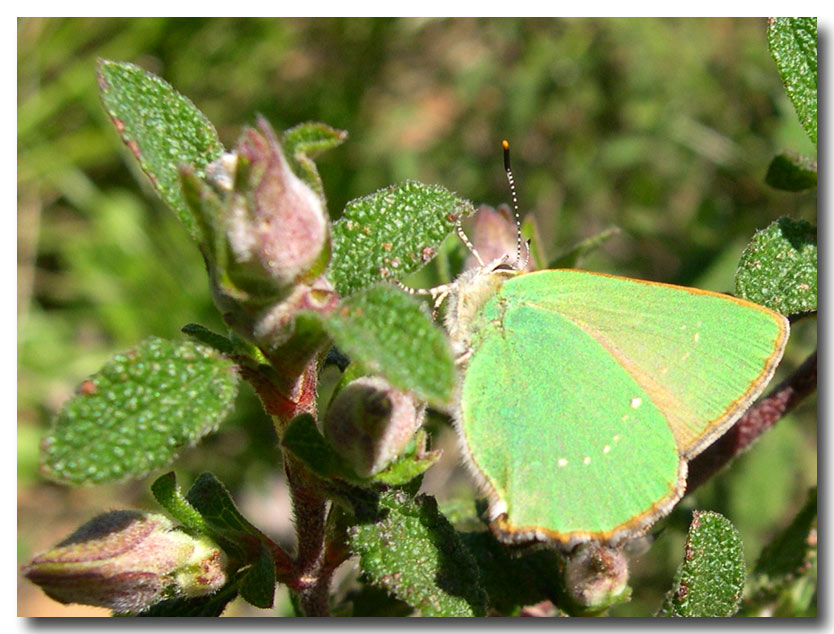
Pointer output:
x,y
662,127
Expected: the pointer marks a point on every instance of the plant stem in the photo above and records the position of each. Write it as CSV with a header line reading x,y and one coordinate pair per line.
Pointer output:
x,y
309,512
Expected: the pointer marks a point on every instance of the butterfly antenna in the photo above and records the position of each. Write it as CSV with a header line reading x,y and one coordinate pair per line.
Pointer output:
x,y
506,145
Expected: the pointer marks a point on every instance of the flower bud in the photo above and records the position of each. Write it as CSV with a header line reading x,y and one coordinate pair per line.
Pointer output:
x,y
276,226
494,234
127,561
596,577
370,423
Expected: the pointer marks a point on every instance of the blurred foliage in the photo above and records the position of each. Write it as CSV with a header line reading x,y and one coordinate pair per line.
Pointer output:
x,y
662,127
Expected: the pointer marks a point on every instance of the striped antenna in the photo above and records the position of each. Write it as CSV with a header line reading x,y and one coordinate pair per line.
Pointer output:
x,y
506,145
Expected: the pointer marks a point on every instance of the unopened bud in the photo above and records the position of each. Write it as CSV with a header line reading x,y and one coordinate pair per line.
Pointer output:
x,y
276,227
596,577
494,234
127,561
370,423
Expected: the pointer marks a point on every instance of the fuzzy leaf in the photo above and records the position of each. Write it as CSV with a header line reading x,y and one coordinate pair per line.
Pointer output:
x,y
370,601
139,411
710,581
793,45
511,582
210,605
391,233
414,553
210,338
161,127
778,269
208,509
389,334
410,465
303,143
257,585
168,495
303,439
791,172
581,250
213,501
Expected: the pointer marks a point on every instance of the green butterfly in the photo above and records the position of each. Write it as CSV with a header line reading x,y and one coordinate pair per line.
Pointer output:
x,y
583,396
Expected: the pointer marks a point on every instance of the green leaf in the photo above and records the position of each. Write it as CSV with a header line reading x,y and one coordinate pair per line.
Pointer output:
x,y
208,509
791,172
710,581
572,258
412,464
305,142
389,333
161,127
213,501
371,601
392,233
210,605
793,45
139,411
257,585
511,582
415,555
778,269
168,495
210,338
303,439
785,577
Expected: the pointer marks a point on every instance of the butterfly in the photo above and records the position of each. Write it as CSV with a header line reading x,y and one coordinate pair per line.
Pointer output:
x,y
583,396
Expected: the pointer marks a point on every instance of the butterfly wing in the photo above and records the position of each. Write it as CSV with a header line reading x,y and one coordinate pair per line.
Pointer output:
x,y
585,393
702,357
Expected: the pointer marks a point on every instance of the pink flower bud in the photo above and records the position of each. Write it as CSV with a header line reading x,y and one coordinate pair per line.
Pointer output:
x,y
596,577
127,561
494,233
370,423
277,227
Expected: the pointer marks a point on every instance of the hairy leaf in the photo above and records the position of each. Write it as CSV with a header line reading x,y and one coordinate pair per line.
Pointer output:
x,y
303,439
391,233
791,172
139,411
793,45
710,581
511,582
210,338
303,143
778,269
161,127
387,332
415,554
170,497
257,585
209,605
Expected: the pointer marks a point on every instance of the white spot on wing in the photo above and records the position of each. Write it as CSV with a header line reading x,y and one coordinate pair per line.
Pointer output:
x,y
587,460
562,462
636,402
606,449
